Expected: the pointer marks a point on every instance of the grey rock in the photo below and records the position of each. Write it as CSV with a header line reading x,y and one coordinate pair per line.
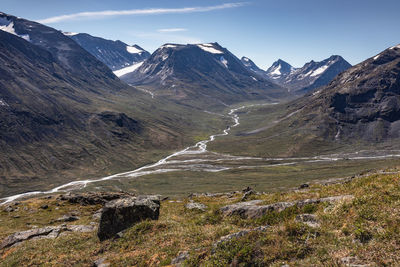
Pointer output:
x,y
308,219
25,235
353,262
9,209
180,259
251,209
238,235
48,232
81,228
93,198
247,194
121,214
304,186
196,206
247,189
100,263
97,214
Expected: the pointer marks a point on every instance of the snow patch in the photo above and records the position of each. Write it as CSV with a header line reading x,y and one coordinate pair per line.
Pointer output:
x,y
319,71
210,49
317,92
376,57
133,50
3,103
254,78
127,70
168,46
224,61
246,59
70,33
396,46
277,71
8,26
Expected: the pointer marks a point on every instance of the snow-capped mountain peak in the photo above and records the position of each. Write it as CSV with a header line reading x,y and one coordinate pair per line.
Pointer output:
x,y
115,54
312,75
210,48
8,26
134,49
278,69
70,33
190,69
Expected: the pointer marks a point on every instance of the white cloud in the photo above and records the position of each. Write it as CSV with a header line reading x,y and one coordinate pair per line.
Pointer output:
x,y
152,11
172,30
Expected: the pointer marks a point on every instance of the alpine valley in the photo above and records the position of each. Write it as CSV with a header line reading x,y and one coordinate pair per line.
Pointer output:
x,y
96,135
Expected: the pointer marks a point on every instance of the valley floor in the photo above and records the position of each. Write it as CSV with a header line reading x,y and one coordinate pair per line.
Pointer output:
x,y
227,165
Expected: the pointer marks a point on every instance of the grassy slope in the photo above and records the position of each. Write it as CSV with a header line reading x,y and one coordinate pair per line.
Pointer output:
x,y
366,227
167,127
281,135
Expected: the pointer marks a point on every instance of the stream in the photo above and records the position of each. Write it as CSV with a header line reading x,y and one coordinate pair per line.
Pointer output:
x,y
198,158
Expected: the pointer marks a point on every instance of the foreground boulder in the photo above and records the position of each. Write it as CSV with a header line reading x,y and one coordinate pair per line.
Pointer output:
x,y
252,210
120,214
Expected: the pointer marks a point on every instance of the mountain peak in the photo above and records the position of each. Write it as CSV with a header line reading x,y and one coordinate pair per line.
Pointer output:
x,y
278,69
115,54
190,69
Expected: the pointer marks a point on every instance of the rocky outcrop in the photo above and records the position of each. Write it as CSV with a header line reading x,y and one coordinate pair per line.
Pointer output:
x,y
121,214
93,198
45,232
251,209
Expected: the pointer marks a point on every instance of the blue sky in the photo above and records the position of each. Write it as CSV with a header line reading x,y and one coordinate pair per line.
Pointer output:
x,y
296,31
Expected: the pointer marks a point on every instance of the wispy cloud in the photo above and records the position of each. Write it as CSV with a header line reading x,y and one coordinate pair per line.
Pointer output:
x,y
172,30
151,11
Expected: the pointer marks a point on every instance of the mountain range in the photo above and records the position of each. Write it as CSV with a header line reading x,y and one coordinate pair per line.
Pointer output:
x,y
205,73
126,60
301,80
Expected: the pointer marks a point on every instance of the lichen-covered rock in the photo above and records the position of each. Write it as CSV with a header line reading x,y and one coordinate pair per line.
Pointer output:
x,y
25,235
49,232
180,259
252,210
196,206
308,219
121,214
93,198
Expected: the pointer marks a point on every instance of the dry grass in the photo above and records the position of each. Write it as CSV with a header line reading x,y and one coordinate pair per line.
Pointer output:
x,y
367,227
